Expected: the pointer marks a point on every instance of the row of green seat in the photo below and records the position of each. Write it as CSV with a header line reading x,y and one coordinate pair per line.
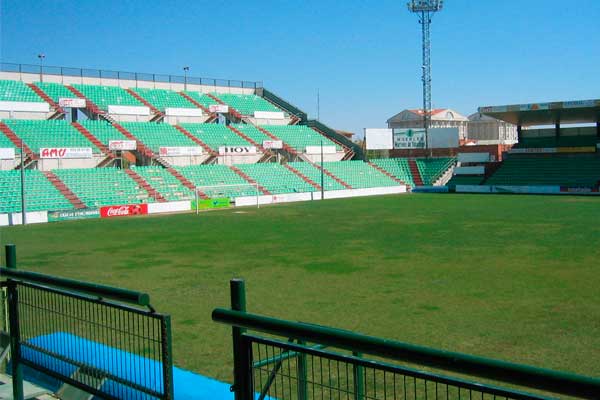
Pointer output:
x,y
216,176
215,135
103,96
103,130
314,174
165,183
97,187
397,167
464,180
162,98
276,178
299,136
562,170
432,168
359,174
55,90
246,104
5,142
48,133
252,132
18,91
156,135
40,193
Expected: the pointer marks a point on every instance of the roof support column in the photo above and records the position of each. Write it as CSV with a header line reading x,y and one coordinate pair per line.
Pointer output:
x,y
519,135
557,128
598,129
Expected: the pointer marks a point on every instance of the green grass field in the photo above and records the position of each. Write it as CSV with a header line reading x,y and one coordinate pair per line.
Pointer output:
x,y
510,277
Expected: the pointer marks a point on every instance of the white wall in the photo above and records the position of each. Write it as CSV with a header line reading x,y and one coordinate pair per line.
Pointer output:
x,y
171,206
315,158
186,160
3,219
35,217
46,164
232,160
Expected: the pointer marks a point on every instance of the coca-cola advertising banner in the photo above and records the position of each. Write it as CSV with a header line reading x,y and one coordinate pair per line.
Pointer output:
x,y
123,210
66,152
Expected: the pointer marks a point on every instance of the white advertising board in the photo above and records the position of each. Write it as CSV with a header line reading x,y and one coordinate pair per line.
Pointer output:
x,y
122,145
180,151
71,102
7,153
237,150
533,150
476,170
317,149
218,108
409,138
473,157
65,152
129,110
183,112
443,138
269,114
272,144
24,106
379,139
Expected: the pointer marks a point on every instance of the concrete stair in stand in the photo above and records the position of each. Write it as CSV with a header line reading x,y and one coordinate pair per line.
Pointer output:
x,y
414,170
64,190
249,180
145,185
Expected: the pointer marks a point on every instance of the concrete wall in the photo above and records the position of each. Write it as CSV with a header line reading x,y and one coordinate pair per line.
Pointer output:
x,y
181,161
414,124
266,121
46,164
8,164
232,160
175,120
326,157
491,130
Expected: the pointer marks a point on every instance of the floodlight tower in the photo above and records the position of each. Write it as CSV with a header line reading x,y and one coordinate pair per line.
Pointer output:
x,y
425,10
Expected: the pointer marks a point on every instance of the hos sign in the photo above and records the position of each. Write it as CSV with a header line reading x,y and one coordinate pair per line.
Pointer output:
x,y
237,150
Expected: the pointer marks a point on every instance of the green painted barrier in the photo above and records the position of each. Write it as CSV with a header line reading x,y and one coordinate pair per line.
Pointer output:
x,y
223,202
68,215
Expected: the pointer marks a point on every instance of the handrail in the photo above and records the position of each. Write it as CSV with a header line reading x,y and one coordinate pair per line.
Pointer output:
x,y
533,377
104,291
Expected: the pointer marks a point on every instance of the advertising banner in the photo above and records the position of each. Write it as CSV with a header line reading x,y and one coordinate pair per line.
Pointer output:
x,y
72,103
122,145
237,150
7,153
183,112
218,108
409,138
180,151
223,202
123,210
128,110
533,150
317,149
379,139
269,114
272,144
67,215
65,152
443,138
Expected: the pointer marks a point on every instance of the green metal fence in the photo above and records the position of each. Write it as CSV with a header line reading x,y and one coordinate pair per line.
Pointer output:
x,y
317,362
106,341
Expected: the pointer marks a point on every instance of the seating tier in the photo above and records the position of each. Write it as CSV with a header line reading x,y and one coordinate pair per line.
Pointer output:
x,y
55,90
359,174
41,194
215,135
276,178
299,136
103,131
314,174
202,98
165,183
49,133
397,167
162,98
432,168
246,104
103,96
18,91
216,174
156,135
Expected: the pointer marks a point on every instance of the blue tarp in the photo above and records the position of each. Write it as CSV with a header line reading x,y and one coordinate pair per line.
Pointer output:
x,y
124,365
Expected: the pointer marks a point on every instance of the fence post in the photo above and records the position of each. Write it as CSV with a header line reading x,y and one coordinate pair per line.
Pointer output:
x,y
359,384
302,380
167,358
13,320
242,357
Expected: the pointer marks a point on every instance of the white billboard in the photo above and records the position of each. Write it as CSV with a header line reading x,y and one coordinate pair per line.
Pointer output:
x,y
128,110
122,145
443,138
218,108
269,114
183,112
379,139
317,149
180,151
409,138
237,150
7,153
71,102
272,144
65,152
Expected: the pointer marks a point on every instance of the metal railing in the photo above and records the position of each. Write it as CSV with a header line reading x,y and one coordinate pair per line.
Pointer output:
x,y
136,76
267,367
103,340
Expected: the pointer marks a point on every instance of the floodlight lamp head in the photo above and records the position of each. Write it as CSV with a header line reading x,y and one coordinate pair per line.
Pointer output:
x,y
41,56
425,5
186,68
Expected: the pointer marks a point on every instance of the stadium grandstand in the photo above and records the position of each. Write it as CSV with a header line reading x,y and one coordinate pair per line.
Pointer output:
x,y
89,142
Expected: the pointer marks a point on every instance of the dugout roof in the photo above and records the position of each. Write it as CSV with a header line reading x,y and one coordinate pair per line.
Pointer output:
x,y
568,112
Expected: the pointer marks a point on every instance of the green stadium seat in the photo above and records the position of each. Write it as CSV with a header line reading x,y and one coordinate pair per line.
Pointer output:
x,y
314,174
432,168
252,132
276,178
49,133
551,142
18,91
156,135
41,194
397,167
359,174
202,98
299,136
246,104
97,187
104,96
464,180
165,183
215,135
162,98
103,130
55,90
217,174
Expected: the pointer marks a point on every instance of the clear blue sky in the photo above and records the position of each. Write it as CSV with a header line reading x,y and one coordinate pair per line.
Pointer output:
x,y
364,56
